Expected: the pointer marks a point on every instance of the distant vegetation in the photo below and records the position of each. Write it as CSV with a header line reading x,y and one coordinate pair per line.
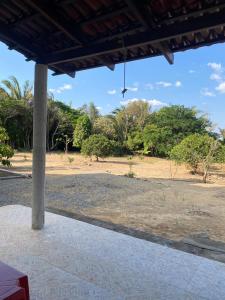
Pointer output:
x,y
174,131
6,151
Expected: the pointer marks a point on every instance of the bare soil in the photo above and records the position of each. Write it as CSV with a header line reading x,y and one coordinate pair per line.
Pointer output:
x,y
162,200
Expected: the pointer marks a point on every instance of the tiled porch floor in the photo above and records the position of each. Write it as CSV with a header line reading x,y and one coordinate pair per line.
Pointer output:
x,y
75,260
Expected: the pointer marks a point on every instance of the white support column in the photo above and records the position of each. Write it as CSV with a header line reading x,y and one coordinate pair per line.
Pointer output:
x,y
39,145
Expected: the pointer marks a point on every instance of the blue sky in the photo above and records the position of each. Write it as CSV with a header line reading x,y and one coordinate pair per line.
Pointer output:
x,y
197,78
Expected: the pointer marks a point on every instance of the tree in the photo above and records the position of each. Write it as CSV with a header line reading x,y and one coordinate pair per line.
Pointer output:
x,y
172,124
82,130
105,126
16,118
61,120
157,141
135,141
91,110
199,150
132,117
222,133
97,145
12,89
138,112
6,151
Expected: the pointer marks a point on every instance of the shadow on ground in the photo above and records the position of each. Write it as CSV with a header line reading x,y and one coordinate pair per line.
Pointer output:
x,y
159,210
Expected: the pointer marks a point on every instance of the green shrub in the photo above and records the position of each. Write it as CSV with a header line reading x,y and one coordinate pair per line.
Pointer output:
x,y
97,145
198,150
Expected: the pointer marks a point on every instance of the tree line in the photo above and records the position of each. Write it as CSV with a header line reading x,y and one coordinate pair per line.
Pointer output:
x,y
130,129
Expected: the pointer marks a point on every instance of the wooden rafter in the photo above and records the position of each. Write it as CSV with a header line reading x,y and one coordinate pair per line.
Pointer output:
x,y
149,23
140,39
52,15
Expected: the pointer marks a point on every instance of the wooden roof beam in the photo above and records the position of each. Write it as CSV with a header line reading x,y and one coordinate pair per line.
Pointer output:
x,y
104,16
140,39
17,42
52,15
148,23
107,62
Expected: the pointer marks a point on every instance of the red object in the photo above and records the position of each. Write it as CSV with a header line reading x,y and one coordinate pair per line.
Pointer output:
x,y
13,284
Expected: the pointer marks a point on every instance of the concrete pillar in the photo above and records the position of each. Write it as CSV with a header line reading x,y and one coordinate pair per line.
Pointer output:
x,y
39,145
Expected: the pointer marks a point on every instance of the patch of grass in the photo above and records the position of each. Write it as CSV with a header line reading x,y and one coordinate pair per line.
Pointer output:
x,y
130,174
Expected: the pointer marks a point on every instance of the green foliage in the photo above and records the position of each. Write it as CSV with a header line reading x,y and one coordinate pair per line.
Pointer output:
x,y
181,120
132,117
118,149
135,141
105,126
169,126
61,120
11,89
82,130
199,150
97,145
157,141
6,151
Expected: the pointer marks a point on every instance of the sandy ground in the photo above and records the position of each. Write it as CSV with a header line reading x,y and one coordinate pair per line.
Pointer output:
x,y
162,199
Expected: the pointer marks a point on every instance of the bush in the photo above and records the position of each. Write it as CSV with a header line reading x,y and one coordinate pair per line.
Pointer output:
x,y
97,145
118,149
6,151
196,150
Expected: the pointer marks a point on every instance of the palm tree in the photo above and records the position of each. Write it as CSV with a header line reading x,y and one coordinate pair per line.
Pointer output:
x,y
12,89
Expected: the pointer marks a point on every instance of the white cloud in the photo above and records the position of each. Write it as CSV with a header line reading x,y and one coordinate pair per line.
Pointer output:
x,y
221,87
191,71
152,102
164,84
62,88
178,83
66,87
215,76
99,108
207,93
155,102
149,86
215,66
111,92
132,89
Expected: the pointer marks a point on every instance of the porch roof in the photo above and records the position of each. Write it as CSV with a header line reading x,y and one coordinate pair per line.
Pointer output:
x,y
73,35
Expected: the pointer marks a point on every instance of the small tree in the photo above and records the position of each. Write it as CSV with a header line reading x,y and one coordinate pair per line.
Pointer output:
x,y
97,145
66,141
5,150
82,130
196,150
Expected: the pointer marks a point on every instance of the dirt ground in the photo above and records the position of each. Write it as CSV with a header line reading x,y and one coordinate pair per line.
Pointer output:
x,y
162,199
